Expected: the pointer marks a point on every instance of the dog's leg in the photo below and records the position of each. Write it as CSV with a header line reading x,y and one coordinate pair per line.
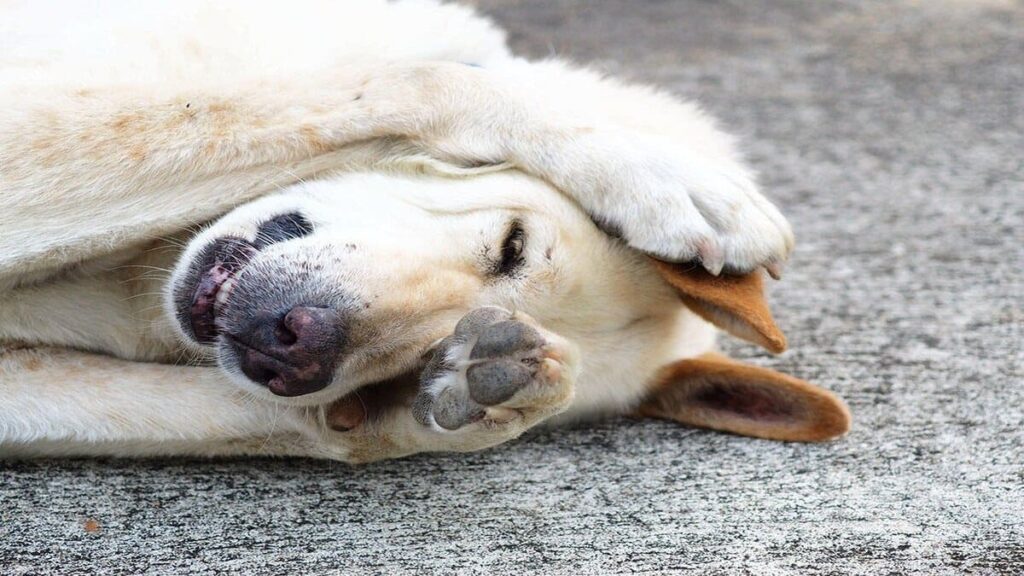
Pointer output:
x,y
85,172
61,402
56,402
495,377
647,167
115,310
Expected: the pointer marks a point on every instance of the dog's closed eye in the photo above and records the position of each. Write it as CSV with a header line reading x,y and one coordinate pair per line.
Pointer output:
x,y
281,228
511,257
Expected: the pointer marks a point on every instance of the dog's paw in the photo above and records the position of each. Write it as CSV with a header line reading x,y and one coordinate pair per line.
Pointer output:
x,y
679,207
496,376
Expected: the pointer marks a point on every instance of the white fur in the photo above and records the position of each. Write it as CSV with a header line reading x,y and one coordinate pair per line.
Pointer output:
x,y
121,129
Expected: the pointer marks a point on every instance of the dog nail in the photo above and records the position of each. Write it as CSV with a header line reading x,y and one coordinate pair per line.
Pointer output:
x,y
774,269
711,256
501,415
476,416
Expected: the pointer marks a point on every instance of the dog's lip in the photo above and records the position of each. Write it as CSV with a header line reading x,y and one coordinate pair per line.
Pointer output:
x,y
218,272
215,271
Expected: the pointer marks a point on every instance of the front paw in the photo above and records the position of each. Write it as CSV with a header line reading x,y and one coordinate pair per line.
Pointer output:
x,y
493,378
682,207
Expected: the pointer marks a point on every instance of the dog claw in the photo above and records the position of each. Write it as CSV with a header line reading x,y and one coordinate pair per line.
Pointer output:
x,y
711,256
774,269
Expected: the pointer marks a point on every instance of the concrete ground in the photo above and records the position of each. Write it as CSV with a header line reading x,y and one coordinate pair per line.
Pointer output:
x,y
892,134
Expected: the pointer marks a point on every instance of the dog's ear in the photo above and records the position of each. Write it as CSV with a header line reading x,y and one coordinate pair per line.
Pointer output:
x,y
735,304
712,391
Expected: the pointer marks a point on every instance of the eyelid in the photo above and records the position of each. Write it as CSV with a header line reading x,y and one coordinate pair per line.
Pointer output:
x,y
513,225
510,262
515,230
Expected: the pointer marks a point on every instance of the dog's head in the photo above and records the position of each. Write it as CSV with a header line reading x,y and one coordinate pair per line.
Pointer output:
x,y
338,283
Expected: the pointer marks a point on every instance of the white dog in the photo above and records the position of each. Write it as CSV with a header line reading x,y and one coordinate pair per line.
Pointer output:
x,y
359,230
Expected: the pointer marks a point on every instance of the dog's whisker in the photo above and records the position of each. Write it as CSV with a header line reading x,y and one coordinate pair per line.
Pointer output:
x,y
145,295
273,427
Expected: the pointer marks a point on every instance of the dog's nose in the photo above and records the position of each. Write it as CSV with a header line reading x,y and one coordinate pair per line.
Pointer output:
x,y
291,354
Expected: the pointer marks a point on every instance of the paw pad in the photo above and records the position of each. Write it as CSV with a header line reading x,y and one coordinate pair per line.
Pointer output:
x,y
489,360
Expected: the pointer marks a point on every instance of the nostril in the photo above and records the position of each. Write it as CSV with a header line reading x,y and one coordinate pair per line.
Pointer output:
x,y
258,367
291,354
284,334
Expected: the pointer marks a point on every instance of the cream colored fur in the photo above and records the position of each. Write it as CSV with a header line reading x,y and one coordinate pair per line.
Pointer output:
x,y
124,130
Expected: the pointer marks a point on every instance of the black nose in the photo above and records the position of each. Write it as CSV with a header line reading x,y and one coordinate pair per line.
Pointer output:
x,y
291,354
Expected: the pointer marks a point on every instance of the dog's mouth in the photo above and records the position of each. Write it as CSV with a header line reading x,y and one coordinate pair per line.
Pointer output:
x,y
214,273
217,272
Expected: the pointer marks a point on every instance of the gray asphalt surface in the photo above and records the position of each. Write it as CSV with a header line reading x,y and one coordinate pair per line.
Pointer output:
x,y
892,135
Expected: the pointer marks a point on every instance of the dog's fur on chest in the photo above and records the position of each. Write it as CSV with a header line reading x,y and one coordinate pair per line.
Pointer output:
x,y
432,237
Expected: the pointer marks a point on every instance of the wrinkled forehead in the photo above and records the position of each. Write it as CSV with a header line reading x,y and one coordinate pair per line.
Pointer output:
x,y
397,198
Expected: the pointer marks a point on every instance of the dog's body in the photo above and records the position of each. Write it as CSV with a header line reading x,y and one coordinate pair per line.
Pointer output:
x,y
375,173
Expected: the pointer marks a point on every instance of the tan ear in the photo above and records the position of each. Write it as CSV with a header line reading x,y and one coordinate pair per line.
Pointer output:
x,y
735,304
712,391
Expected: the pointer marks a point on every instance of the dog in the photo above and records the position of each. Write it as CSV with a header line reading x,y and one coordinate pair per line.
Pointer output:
x,y
359,231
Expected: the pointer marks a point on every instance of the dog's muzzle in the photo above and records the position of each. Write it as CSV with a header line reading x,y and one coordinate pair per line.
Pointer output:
x,y
279,333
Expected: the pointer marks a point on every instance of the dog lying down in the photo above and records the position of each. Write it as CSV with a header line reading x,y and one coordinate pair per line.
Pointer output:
x,y
342,241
